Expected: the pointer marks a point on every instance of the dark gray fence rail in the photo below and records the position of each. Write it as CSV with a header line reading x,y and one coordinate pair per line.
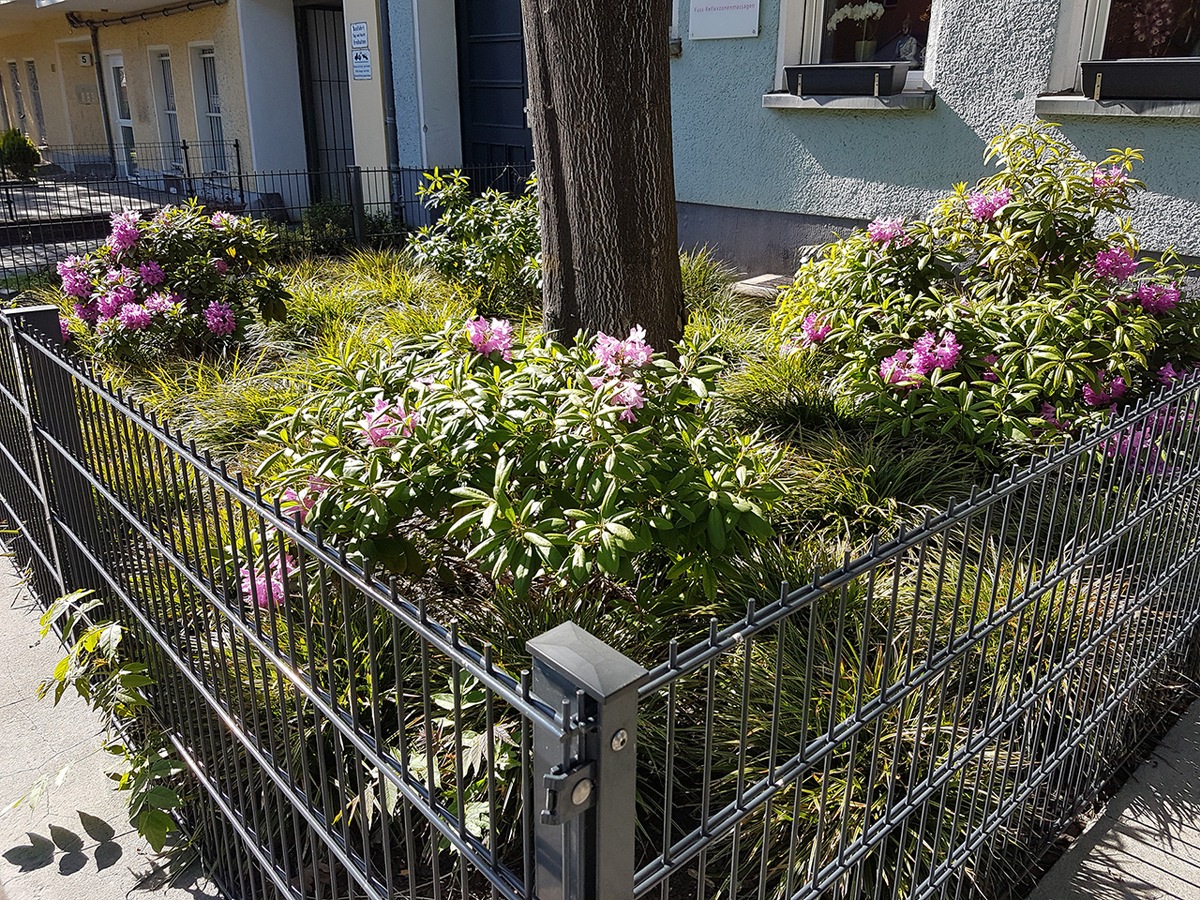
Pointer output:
x,y
918,723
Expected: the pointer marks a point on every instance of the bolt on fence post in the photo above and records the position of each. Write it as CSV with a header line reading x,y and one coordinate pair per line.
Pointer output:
x,y
357,205
50,405
584,838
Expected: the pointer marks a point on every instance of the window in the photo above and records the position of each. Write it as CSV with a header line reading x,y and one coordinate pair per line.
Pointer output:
x,y
1122,29
4,117
35,99
14,77
208,111
168,112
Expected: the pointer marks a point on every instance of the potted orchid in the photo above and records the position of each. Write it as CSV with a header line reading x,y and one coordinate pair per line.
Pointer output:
x,y
869,14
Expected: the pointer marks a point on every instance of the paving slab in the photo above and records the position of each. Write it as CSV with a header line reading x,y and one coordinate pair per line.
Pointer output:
x,y
76,842
1146,845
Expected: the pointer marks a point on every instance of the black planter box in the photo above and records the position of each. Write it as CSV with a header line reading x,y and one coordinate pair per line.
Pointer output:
x,y
867,79
1164,78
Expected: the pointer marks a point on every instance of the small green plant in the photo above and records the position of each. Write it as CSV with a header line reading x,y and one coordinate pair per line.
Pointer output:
x,y
1015,312
94,669
488,242
18,154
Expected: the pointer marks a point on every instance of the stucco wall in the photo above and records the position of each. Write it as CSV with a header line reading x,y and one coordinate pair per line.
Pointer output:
x,y
70,104
992,60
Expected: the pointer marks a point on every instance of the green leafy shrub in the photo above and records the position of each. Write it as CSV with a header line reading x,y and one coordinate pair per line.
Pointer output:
x,y
180,282
488,242
539,464
1016,311
18,154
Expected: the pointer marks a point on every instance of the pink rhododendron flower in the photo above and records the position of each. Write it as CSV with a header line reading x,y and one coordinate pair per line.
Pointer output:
x,y
1168,374
989,373
386,419
629,395
151,273
983,206
1050,414
813,330
488,337
1115,263
111,303
65,327
1112,177
134,317
945,354
124,231
617,356
266,582
162,303
220,319
888,232
898,370
87,312
221,220
75,280
1158,298
221,266
1107,392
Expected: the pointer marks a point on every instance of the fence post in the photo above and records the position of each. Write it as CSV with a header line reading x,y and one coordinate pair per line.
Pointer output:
x,y
50,406
187,168
357,207
585,834
237,156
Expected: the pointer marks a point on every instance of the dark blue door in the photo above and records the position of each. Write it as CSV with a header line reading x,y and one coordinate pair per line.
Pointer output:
x,y
492,87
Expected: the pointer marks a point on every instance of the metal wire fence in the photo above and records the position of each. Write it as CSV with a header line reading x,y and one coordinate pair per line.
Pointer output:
x,y
920,722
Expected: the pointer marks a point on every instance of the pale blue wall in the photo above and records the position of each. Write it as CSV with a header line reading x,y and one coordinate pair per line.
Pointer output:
x,y
992,61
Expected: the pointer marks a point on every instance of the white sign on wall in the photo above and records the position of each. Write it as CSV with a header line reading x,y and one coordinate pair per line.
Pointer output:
x,y
361,64
358,36
723,19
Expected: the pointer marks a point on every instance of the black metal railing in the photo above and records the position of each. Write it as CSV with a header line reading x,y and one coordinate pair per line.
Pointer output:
x,y
919,722
67,210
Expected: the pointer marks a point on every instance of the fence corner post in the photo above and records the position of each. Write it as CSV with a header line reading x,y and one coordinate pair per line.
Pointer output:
x,y
585,833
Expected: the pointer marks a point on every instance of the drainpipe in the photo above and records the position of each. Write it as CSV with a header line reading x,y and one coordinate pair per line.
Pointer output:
x,y
389,90
99,64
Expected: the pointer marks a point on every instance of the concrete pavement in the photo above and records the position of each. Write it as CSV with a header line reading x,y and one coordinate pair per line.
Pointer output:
x,y
76,842
1146,845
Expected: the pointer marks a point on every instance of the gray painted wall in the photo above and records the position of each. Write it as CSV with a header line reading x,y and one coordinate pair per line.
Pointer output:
x,y
992,60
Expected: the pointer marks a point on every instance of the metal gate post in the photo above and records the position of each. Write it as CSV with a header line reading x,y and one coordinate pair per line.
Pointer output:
x,y
585,835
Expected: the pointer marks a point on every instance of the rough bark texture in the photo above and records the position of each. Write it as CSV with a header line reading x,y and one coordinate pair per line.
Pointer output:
x,y
600,110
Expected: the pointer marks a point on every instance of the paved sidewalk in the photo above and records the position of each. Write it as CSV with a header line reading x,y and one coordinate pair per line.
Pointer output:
x,y
1146,846
76,842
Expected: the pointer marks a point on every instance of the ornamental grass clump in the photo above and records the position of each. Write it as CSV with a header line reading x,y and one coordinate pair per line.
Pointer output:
x,y
1017,311
540,466
180,282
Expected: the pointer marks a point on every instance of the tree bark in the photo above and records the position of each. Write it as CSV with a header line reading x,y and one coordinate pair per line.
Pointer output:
x,y
600,111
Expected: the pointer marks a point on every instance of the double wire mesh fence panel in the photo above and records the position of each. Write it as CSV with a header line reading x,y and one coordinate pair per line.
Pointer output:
x,y
922,721
346,742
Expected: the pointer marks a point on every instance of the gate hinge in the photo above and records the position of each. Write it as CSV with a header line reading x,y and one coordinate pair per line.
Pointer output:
x,y
569,792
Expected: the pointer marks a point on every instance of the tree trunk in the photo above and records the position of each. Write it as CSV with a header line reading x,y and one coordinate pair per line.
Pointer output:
x,y
600,110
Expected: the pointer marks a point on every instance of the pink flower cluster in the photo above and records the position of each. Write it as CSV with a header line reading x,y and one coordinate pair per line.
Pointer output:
x,y
984,205
625,393
124,231
221,220
905,368
382,423
1112,177
219,318
76,282
1158,298
619,356
1106,393
151,274
1050,415
134,317
300,503
889,232
266,583
989,374
813,330
1115,263
491,337
1169,374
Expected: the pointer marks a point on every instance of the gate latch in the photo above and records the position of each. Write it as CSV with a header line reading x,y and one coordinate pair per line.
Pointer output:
x,y
569,792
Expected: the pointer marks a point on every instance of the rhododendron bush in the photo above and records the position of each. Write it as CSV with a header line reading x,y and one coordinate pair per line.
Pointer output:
x,y
1020,310
538,465
179,281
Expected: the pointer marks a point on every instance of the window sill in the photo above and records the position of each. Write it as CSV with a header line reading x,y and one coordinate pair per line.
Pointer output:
x,y
920,99
1054,105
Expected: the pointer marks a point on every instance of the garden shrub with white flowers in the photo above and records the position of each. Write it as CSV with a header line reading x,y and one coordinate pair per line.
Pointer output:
x,y
545,466
1017,311
180,282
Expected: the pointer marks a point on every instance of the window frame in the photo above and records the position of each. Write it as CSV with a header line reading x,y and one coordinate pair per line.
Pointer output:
x,y
213,137
5,119
167,119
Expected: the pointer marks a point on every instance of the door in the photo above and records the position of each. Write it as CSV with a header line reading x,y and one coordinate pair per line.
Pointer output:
x,y
325,75
122,124
493,90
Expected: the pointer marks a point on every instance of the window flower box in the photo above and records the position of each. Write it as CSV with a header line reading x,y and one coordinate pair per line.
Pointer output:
x,y
871,79
1161,78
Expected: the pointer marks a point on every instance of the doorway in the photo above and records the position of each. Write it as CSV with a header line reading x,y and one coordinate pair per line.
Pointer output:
x,y
325,80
